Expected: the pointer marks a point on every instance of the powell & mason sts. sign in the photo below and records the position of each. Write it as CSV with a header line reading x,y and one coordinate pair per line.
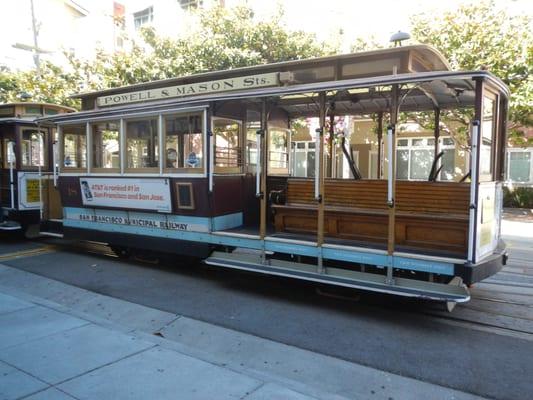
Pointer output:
x,y
221,85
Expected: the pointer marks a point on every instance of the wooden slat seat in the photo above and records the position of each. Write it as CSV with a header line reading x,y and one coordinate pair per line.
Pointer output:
x,y
429,215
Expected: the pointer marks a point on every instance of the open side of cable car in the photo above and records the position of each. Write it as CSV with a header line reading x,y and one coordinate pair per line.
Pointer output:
x,y
26,165
204,166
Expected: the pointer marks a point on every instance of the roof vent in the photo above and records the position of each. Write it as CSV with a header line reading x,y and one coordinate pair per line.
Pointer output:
x,y
399,37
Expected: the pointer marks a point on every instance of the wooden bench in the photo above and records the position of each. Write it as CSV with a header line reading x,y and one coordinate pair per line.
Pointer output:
x,y
430,216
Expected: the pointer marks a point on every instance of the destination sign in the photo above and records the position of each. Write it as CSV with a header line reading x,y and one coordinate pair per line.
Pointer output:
x,y
193,89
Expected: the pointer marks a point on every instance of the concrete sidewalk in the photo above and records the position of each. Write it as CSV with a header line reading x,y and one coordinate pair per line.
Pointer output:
x,y
62,342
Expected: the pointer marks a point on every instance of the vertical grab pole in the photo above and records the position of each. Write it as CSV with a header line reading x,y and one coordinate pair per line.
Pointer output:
x,y
262,159
473,191
379,173
40,170
319,179
391,203
259,137
11,160
211,139
55,157
436,135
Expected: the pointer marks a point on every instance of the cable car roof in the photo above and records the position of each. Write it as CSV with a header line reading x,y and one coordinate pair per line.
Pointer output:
x,y
414,58
418,91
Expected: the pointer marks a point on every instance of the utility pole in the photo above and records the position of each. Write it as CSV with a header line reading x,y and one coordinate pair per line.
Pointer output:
x,y
35,29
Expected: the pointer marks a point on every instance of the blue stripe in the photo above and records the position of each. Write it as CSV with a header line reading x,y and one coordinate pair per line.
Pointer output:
x,y
353,256
291,248
227,221
415,264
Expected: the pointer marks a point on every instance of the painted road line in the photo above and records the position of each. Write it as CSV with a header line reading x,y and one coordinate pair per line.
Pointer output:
x,y
28,253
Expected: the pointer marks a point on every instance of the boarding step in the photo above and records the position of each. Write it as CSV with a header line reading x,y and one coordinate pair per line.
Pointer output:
x,y
10,226
456,292
52,227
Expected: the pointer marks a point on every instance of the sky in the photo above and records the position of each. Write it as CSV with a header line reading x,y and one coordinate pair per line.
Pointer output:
x,y
365,18
356,18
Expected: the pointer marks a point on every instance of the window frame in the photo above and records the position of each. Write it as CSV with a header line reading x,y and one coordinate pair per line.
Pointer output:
x,y
508,165
139,16
124,142
410,147
61,161
90,147
279,171
45,161
228,170
183,170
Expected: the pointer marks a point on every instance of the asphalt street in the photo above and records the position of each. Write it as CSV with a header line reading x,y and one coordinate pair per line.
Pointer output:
x,y
484,347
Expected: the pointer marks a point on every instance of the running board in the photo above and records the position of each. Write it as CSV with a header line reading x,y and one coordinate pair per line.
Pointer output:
x,y
51,234
457,293
10,226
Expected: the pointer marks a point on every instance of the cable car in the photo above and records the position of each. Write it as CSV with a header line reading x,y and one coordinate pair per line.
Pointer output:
x,y
26,163
378,170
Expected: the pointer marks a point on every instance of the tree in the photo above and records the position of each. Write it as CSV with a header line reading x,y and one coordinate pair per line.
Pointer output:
x,y
218,38
479,36
53,85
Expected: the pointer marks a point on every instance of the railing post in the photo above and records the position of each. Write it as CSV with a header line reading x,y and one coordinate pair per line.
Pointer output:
x,y
473,192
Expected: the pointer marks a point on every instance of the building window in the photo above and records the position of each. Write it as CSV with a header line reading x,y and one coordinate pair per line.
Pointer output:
x,y
183,141
414,158
33,148
519,166
228,157
74,146
106,147
303,156
143,17
188,5
142,144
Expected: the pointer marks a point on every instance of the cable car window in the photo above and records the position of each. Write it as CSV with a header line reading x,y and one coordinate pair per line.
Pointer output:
x,y
106,145
33,148
142,144
74,146
228,157
487,130
32,110
184,141
278,151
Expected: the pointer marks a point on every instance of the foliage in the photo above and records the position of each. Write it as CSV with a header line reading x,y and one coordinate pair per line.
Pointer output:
x,y
521,197
478,36
53,85
218,38
481,36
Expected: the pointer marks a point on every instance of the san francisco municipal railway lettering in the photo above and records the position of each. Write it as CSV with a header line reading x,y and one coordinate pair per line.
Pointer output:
x,y
142,222
222,85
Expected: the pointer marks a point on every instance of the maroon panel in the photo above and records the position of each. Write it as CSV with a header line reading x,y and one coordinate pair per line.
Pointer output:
x,y
250,201
69,189
227,195
200,194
